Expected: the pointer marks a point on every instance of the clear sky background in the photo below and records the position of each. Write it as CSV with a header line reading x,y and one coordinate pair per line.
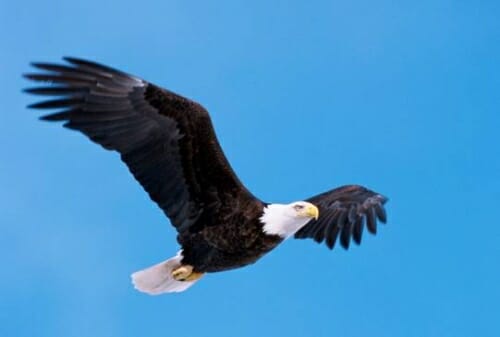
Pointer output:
x,y
402,97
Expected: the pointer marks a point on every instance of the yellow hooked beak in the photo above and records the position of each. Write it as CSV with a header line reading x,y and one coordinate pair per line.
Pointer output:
x,y
311,211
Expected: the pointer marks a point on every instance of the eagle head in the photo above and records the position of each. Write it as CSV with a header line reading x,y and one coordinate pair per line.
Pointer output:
x,y
286,219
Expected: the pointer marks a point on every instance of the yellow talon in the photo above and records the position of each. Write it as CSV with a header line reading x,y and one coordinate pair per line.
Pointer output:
x,y
186,273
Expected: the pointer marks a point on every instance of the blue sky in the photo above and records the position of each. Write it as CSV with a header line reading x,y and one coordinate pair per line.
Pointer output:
x,y
402,97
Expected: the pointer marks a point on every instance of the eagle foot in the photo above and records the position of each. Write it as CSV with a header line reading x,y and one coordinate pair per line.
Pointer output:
x,y
185,273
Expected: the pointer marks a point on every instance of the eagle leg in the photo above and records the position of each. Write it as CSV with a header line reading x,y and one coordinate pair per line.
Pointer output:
x,y
185,273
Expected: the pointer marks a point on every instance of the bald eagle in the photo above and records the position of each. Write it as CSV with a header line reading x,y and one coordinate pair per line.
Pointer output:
x,y
169,145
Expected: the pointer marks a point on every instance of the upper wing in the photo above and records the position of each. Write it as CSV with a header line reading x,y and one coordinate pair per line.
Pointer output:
x,y
167,141
343,211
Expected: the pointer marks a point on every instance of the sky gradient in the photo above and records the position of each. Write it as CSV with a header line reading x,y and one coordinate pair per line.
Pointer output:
x,y
402,97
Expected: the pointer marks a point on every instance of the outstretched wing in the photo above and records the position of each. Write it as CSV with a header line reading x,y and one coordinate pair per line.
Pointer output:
x,y
343,211
167,141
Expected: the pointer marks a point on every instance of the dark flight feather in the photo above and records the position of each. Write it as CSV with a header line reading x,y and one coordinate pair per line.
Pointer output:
x,y
166,140
354,205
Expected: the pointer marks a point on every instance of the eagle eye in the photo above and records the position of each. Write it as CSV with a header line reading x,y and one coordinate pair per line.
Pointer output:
x,y
298,207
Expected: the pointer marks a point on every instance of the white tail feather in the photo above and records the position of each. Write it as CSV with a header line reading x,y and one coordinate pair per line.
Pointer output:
x,y
158,279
